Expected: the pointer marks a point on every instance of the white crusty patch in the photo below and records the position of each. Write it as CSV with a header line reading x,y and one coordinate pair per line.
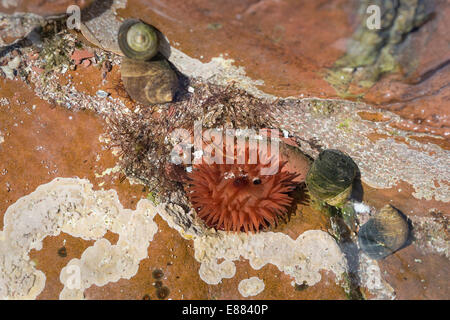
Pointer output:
x,y
219,70
70,205
372,280
302,259
430,235
251,287
108,171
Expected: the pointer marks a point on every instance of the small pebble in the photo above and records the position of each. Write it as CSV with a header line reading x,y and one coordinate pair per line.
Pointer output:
x,y
162,293
102,94
157,274
62,252
86,63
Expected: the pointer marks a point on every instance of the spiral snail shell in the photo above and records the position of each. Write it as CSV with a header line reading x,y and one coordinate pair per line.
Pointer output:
x,y
146,74
384,233
331,176
138,40
149,82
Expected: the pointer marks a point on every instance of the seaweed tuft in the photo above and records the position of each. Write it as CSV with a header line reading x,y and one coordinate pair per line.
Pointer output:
x,y
143,136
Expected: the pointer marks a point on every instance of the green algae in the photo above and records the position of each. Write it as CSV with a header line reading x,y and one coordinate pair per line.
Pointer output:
x,y
56,48
345,124
214,26
374,53
153,198
55,54
323,107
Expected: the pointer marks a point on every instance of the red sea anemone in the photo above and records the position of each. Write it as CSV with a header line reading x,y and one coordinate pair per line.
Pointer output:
x,y
237,197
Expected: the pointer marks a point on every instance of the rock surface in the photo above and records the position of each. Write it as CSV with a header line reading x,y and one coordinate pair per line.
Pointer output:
x,y
52,125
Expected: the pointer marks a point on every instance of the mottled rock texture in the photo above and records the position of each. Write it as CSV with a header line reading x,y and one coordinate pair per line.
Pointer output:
x,y
52,124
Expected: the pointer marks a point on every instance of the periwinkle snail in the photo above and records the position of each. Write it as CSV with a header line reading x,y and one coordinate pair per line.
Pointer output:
x,y
146,74
384,233
331,177
138,40
149,82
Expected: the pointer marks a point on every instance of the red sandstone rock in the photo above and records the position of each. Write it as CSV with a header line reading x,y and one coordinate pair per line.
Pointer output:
x,y
273,43
79,55
86,63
